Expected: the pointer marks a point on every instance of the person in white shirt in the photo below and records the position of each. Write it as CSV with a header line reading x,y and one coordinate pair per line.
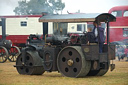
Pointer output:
x,y
99,38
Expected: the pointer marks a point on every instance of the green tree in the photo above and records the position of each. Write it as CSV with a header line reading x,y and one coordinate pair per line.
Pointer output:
x,y
34,7
21,9
57,6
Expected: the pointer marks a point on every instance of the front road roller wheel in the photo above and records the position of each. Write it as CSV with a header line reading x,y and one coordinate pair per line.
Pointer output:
x,y
71,62
33,64
3,54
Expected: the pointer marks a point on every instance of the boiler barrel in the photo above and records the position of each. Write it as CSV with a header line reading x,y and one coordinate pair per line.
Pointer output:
x,y
6,43
56,40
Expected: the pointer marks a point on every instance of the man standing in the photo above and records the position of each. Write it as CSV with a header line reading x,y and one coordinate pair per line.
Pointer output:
x,y
99,35
126,52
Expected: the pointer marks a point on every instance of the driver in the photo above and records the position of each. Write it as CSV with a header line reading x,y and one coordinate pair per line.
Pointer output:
x,y
90,35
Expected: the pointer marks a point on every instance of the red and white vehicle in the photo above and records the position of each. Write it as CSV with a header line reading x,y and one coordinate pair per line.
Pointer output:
x,y
18,28
119,29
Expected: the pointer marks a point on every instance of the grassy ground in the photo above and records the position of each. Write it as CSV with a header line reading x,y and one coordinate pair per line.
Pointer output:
x,y
9,76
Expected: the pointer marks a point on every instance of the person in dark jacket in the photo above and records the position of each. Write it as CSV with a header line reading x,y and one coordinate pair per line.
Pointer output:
x,y
90,36
99,35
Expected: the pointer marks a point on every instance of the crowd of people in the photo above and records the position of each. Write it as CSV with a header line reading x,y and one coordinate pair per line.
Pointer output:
x,y
122,52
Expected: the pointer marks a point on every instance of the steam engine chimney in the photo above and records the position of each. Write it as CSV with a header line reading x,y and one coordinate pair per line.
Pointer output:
x,y
45,26
3,28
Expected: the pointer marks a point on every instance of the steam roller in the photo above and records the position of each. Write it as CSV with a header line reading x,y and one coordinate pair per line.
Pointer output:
x,y
71,62
69,54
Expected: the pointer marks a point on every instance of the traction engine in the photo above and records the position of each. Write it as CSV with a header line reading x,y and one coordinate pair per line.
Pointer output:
x,y
69,55
7,51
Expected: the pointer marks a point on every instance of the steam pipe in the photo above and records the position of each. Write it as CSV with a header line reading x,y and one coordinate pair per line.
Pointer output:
x,y
45,38
45,29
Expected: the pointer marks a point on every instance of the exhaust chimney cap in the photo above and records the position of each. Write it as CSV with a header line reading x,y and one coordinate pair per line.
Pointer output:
x,y
44,13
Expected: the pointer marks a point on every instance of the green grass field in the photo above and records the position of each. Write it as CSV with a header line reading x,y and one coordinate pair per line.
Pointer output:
x,y
10,76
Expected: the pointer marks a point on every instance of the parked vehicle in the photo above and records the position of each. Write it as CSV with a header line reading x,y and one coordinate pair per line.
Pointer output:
x,y
18,28
7,51
119,29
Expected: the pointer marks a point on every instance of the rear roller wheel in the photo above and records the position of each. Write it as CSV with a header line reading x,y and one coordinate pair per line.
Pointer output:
x,y
33,64
71,62
103,71
93,73
14,52
3,54
99,72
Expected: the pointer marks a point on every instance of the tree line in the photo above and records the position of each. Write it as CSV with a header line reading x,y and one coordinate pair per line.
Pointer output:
x,y
36,7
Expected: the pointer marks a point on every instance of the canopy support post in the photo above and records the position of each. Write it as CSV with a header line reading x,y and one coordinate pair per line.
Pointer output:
x,y
108,32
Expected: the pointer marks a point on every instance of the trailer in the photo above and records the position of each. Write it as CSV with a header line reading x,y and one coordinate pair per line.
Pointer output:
x,y
19,27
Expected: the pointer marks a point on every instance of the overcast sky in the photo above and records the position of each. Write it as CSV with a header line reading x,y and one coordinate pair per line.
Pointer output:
x,y
85,6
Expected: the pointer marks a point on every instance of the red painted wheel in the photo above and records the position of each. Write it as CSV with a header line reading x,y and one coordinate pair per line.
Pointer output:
x,y
3,54
14,52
